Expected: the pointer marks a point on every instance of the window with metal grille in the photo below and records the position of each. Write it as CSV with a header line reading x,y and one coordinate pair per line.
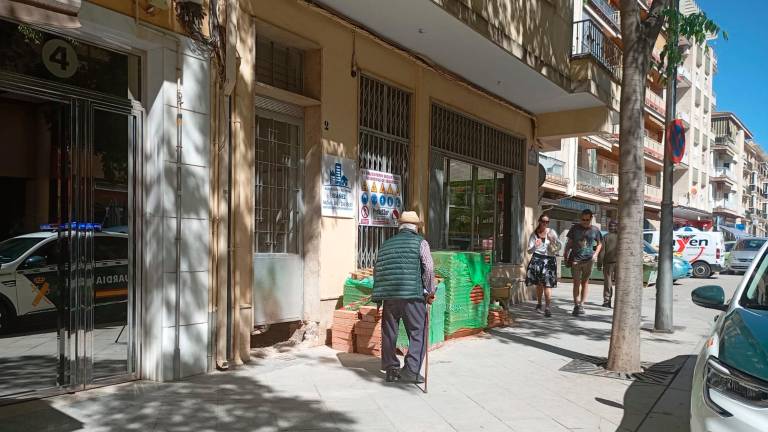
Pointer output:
x,y
384,145
279,65
459,135
278,185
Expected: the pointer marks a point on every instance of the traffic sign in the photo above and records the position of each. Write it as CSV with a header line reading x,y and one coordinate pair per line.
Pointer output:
x,y
676,141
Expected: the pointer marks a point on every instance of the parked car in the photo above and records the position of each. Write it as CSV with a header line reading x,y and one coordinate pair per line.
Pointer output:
x,y
744,253
730,380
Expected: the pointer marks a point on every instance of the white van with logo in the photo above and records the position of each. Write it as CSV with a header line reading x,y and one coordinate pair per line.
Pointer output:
x,y
705,250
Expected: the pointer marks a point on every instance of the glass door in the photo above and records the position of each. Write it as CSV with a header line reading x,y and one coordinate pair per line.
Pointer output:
x,y
67,250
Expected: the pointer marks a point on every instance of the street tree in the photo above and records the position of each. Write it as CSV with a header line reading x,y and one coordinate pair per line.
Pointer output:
x,y
639,33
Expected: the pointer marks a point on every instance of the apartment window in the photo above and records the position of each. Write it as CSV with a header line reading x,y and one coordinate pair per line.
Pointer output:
x,y
696,137
698,97
279,65
706,104
699,55
278,186
708,63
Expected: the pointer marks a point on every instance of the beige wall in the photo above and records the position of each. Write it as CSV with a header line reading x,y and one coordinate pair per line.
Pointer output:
x,y
330,243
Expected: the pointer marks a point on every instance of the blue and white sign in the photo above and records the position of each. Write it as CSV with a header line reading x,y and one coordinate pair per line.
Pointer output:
x,y
339,186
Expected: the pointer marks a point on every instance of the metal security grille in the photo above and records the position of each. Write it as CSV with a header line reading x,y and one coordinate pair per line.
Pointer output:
x,y
385,131
469,139
278,185
279,65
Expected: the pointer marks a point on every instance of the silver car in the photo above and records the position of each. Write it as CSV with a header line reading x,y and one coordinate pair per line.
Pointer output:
x,y
744,252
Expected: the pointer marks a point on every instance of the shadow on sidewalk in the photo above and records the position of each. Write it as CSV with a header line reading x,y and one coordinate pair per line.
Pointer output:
x,y
231,401
651,408
594,325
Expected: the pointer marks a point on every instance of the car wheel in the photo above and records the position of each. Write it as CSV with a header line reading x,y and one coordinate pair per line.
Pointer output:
x,y
701,270
7,317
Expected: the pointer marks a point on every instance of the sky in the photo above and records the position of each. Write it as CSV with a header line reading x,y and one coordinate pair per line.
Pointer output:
x,y
741,82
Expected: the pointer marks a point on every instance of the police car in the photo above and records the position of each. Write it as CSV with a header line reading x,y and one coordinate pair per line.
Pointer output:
x,y
30,268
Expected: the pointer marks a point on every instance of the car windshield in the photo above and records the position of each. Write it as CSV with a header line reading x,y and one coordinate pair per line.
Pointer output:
x,y
749,244
756,294
13,248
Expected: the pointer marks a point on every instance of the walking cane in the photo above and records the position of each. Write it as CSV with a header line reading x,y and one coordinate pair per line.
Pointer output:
x,y
426,345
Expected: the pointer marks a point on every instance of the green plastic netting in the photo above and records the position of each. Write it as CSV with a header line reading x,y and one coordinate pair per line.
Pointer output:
x,y
356,290
467,290
436,321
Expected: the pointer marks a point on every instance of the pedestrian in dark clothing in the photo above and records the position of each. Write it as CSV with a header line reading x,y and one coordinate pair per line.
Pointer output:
x,y
606,260
404,281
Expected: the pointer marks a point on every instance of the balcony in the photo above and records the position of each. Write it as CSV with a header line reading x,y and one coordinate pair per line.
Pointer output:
x,y
685,117
725,143
655,102
555,169
652,194
722,174
590,41
727,206
684,78
607,11
593,183
653,149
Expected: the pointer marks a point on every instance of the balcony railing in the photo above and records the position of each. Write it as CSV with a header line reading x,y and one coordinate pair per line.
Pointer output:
x,y
725,142
652,193
653,148
555,169
655,102
730,205
608,12
684,76
684,116
724,173
589,40
591,182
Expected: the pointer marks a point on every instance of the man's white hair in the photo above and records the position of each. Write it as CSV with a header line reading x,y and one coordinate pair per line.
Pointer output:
x,y
411,227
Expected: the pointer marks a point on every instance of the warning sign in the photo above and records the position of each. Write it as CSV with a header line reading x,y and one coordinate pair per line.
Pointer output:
x,y
380,200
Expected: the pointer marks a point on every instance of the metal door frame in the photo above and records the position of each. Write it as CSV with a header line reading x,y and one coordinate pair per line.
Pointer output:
x,y
77,333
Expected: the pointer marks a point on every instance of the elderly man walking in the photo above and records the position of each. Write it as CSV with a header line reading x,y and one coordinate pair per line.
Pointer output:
x,y
404,281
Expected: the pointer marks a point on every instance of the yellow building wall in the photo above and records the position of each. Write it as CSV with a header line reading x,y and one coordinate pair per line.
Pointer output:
x,y
332,254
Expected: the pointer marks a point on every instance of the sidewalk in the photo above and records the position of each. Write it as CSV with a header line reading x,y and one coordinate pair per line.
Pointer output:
x,y
506,380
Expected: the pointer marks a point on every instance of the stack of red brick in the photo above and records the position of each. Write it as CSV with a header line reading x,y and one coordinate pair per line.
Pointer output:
x,y
342,331
497,318
368,331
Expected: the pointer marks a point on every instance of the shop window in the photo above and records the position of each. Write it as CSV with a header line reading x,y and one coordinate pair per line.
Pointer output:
x,y
279,65
478,209
278,186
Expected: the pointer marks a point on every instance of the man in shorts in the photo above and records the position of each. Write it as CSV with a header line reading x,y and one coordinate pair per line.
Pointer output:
x,y
581,251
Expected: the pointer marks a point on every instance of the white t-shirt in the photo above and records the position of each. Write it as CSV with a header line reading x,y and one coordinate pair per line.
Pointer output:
x,y
550,239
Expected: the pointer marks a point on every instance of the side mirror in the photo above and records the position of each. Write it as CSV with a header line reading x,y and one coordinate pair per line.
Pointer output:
x,y
35,261
709,296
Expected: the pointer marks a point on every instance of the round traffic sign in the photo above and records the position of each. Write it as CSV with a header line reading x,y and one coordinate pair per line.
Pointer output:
x,y
676,141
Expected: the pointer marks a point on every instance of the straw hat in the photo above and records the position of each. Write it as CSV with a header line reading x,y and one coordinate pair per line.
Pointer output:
x,y
410,217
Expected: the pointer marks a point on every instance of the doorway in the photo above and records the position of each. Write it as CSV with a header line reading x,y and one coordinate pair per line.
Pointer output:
x,y
67,240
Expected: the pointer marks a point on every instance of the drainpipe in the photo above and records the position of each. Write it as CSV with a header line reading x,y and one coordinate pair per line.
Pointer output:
x,y
177,318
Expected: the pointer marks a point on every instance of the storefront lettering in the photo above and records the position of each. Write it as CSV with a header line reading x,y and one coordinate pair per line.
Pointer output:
x,y
110,279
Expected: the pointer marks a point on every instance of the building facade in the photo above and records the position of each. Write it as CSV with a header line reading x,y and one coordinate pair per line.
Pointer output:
x,y
754,192
582,172
728,166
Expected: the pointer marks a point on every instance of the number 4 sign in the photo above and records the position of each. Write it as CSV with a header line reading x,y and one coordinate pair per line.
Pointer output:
x,y
60,58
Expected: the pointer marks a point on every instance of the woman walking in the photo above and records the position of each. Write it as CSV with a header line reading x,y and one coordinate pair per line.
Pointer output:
x,y
542,269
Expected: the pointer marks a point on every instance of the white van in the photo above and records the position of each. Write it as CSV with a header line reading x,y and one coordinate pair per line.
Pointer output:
x,y
705,250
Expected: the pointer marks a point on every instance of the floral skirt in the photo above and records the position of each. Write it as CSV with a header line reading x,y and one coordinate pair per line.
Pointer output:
x,y
542,270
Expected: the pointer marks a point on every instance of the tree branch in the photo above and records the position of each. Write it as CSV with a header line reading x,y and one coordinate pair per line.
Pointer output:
x,y
655,19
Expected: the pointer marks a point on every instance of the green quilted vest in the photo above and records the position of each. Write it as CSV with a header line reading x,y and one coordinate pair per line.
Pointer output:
x,y
398,268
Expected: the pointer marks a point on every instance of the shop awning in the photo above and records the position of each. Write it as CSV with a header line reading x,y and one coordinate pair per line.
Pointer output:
x,y
49,13
737,233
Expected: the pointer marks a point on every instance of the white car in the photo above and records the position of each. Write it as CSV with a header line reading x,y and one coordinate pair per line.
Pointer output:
x,y
730,381
29,266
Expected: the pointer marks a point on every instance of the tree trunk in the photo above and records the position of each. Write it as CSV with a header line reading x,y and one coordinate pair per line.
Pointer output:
x,y
624,352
